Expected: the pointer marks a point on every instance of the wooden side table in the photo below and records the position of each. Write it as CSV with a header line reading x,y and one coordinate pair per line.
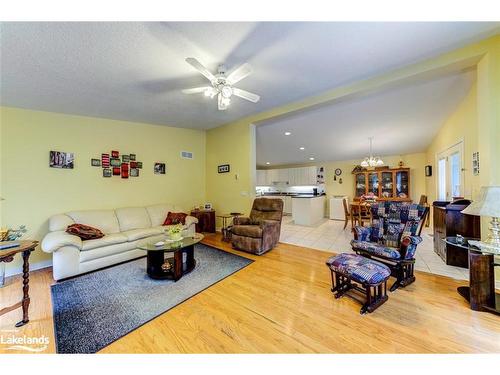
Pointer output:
x,y
206,220
226,227
7,255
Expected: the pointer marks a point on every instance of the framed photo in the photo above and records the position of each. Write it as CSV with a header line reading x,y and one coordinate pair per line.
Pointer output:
x,y
125,158
105,160
59,159
133,164
115,162
475,163
95,162
224,168
106,172
124,170
139,164
132,157
428,170
134,172
208,206
159,168
115,154
116,171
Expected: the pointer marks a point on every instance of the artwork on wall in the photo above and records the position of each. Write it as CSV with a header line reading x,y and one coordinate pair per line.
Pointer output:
x,y
113,165
124,170
159,168
58,159
105,160
320,175
428,170
224,168
475,163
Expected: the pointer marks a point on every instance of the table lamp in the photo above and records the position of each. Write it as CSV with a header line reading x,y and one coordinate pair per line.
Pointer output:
x,y
488,204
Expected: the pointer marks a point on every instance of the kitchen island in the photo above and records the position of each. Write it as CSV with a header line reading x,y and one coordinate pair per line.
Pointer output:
x,y
308,209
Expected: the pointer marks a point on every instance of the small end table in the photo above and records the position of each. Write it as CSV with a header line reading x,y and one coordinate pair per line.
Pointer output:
x,y
226,228
7,255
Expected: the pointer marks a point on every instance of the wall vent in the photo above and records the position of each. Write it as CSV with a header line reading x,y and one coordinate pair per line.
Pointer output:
x,y
186,155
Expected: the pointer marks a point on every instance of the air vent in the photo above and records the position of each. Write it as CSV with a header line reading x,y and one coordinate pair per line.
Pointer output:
x,y
186,155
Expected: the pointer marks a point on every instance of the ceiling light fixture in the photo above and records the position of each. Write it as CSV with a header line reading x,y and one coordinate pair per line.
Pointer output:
x,y
287,133
311,158
371,161
302,148
267,163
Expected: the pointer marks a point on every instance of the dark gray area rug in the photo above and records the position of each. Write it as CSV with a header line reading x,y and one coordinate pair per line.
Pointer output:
x,y
93,310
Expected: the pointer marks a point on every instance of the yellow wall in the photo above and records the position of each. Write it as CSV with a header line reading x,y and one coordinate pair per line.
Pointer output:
x,y
460,126
34,192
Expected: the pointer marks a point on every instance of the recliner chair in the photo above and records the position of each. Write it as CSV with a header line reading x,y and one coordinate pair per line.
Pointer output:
x,y
261,231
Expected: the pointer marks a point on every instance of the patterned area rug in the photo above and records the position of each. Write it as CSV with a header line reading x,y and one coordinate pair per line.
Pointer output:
x,y
93,310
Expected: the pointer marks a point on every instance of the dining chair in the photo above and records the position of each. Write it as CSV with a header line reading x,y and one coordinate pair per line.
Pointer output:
x,y
364,213
347,214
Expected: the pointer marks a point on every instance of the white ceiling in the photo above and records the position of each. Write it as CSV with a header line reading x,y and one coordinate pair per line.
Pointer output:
x,y
135,71
402,120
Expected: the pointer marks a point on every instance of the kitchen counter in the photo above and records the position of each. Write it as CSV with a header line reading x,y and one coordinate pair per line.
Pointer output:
x,y
308,211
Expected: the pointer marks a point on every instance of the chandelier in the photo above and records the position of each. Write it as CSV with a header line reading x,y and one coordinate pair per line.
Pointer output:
x,y
371,161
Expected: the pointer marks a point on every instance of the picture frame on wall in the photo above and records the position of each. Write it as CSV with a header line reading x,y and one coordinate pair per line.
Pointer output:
x,y
134,172
132,157
475,163
116,171
105,160
115,162
63,160
224,168
106,172
115,154
95,162
125,158
428,170
139,165
159,168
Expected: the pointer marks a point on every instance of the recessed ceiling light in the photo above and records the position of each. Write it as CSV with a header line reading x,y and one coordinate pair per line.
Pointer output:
x,y
267,163
287,133
302,148
311,158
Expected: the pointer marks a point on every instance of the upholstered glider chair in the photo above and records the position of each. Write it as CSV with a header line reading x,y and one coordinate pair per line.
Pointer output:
x,y
261,231
392,238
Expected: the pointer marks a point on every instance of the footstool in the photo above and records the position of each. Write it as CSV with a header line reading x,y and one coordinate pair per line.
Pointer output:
x,y
355,272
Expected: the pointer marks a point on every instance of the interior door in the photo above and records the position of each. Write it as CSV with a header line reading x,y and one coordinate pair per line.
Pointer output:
x,y
450,181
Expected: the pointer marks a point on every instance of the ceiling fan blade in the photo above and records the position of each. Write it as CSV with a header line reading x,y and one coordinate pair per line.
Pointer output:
x,y
196,90
220,103
239,73
246,95
199,67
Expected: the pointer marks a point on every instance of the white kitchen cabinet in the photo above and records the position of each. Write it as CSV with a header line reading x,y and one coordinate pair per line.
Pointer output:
x,y
271,176
303,176
261,177
287,206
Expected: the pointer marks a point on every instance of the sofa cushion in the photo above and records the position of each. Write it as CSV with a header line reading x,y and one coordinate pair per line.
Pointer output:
x,y
133,218
137,234
60,222
158,213
174,218
105,220
376,249
85,232
247,231
110,239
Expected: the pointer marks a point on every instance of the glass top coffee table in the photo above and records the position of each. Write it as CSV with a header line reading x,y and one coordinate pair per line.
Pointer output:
x,y
167,261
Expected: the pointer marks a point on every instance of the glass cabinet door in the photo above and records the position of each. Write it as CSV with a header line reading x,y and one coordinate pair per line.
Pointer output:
x,y
360,184
387,185
402,184
373,183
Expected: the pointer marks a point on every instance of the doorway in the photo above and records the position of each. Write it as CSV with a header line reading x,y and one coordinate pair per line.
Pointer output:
x,y
450,181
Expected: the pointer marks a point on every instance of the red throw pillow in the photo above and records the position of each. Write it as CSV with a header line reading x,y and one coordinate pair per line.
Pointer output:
x,y
174,218
85,232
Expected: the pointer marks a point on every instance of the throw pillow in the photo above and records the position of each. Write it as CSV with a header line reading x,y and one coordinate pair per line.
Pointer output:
x,y
85,232
174,218
411,228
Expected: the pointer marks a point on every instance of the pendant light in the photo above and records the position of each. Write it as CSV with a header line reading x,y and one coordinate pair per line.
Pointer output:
x,y
371,161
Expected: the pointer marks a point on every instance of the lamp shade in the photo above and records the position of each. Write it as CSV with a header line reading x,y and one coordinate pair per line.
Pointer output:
x,y
487,204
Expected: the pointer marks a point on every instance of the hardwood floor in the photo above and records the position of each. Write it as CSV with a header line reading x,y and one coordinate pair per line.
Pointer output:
x,y
282,303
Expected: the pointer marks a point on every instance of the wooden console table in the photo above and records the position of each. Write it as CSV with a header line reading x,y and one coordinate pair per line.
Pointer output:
x,y
6,256
481,290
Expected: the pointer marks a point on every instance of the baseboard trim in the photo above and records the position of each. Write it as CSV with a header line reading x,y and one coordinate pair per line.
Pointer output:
x,y
12,271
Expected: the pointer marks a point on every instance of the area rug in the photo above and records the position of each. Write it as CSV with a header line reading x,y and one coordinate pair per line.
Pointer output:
x,y
93,310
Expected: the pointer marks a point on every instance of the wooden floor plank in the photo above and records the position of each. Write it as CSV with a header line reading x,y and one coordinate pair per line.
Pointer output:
x,y
282,303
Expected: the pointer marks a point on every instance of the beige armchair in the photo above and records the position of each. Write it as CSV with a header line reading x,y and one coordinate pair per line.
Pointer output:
x,y
261,231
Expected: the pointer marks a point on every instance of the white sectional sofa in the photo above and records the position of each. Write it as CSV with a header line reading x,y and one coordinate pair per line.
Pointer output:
x,y
124,229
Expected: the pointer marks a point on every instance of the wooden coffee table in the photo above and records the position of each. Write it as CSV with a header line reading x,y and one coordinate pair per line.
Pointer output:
x,y
166,261
7,255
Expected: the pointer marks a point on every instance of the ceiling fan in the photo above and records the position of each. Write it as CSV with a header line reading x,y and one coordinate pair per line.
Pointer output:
x,y
222,85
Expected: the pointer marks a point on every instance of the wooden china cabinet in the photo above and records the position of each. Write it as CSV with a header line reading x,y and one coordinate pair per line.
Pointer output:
x,y
387,184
